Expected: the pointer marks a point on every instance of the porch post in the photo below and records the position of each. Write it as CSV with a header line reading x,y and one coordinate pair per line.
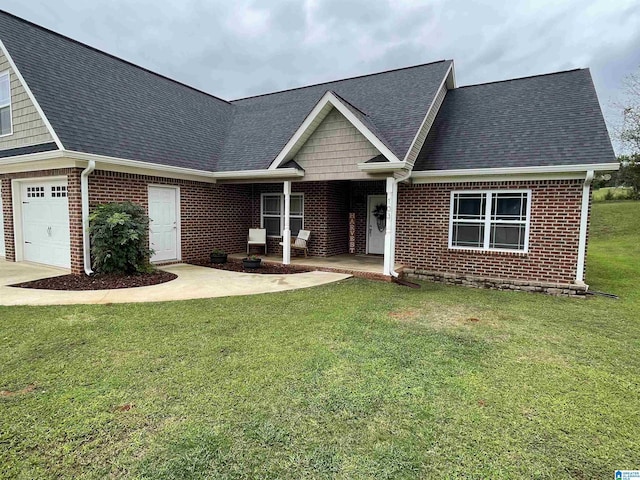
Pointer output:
x,y
388,233
286,231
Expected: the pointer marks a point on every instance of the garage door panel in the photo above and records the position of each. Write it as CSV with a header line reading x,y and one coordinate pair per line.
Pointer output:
x,y
45,223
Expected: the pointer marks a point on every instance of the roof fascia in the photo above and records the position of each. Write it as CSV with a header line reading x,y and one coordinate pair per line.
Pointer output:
x,y
510,173
31,96
381,167
67,158
293,146
448,80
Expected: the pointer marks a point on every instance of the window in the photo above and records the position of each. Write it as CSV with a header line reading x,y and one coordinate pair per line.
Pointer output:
x,y
272,217
5,104
490,220
35,192
59,191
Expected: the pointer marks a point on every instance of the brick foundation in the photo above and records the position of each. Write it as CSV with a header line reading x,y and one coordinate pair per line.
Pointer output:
x,y
564,289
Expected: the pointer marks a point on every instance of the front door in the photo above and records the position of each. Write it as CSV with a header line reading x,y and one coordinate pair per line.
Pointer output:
x,y
376,223
163,225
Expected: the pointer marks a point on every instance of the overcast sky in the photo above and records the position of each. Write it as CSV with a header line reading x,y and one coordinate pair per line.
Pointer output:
x,y
239,48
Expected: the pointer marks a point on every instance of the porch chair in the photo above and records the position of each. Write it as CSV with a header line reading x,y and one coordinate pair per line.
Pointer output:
x,y
300,242
257,236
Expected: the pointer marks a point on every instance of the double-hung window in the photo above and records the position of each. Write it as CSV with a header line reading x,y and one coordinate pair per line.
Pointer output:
x,y
490,220
272,213
5,104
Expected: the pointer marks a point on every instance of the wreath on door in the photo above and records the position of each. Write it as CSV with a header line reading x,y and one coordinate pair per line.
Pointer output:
x,y
380,212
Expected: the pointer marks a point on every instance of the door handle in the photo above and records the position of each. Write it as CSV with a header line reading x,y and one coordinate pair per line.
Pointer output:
x,y
49,231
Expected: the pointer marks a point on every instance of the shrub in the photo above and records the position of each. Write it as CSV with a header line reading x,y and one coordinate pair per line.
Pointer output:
x,y
609,195
119,238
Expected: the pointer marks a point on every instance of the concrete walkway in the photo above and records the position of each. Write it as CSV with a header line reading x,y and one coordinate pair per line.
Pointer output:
x,y
192,282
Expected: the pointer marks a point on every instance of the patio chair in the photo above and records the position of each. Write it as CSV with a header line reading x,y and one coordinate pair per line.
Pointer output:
x,y
300,242
257,236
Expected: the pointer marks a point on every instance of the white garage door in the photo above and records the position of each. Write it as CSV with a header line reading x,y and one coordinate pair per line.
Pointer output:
x,y
45,223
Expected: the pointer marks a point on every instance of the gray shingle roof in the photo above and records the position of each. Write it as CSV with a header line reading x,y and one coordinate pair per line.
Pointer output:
x,y
42,147
99,104
392,104
552,119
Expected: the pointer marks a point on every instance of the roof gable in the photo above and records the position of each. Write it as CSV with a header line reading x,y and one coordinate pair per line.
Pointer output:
x,y
327,104
334,150
393,104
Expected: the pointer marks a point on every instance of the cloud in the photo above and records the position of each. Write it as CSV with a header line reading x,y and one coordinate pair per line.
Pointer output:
x,y
234,49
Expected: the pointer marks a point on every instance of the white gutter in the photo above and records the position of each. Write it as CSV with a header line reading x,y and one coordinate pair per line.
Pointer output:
x,y
84,192
515,170
381,167
249,174
584,217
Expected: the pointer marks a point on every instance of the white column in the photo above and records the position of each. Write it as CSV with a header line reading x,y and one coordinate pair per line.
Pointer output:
x,y
388,233
584,218
286,231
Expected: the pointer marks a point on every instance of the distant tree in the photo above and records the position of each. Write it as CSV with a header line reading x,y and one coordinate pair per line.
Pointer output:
x,y
629,174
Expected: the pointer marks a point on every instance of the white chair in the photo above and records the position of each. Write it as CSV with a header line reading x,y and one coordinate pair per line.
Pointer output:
x,y
300,242
257,236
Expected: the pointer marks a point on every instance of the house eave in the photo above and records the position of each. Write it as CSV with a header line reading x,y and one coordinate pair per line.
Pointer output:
x,y
510,173
259,174
382,167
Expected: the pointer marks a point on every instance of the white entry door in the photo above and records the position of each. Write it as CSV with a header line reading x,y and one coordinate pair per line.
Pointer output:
x,y
45,223
376,205
163,227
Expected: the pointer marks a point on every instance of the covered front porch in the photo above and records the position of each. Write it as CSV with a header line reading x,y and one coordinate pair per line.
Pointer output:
x,y
351,224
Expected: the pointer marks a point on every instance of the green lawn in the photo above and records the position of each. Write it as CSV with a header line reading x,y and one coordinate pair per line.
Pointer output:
x,y
352,380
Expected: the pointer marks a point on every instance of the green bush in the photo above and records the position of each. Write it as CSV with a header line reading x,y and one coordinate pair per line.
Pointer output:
x,y
119,238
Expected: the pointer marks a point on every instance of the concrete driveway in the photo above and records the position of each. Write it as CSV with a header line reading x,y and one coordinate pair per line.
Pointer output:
x,y
192,282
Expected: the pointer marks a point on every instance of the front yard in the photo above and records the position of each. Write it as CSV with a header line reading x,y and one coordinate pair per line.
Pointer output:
x,y
358,379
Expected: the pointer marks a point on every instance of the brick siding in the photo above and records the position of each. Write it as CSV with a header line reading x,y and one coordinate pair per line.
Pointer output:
x,y
423,232
211,215
326,214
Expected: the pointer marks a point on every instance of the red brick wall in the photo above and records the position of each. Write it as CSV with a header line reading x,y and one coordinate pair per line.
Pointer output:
x,y
423,231
212,215
75,211
326,215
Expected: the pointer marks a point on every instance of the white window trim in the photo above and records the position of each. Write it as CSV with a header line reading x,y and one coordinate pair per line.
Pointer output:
x,y
7,73
281,195
487,220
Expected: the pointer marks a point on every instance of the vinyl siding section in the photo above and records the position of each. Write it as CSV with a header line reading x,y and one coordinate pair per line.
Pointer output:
x,y
422,135
334,149
28,127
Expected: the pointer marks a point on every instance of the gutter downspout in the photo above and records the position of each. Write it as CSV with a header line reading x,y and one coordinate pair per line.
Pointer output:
x,y
393,224
584,217
84,193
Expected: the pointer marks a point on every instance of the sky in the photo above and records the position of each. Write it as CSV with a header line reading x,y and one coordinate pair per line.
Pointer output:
x,y
234,49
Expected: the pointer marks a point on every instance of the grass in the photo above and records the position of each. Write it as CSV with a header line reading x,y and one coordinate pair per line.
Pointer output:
x,y
352,380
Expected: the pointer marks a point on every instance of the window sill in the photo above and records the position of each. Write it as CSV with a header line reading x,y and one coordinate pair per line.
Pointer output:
x,y
519,253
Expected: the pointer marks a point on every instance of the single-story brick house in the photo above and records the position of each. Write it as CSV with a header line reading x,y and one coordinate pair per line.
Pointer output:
x,y
457,183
